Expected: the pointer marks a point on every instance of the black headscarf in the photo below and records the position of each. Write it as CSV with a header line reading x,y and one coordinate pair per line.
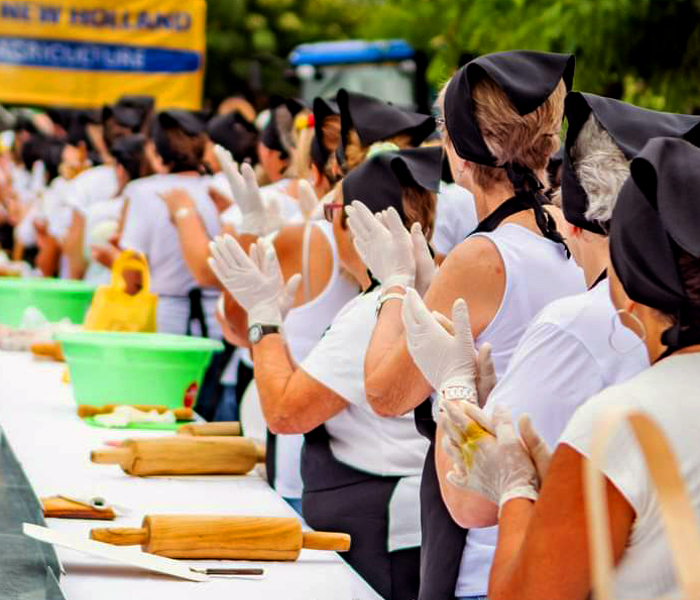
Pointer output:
x,y
657,211
377,182
235,133
629,127
375,120
527,78
189,122
322,109
128,152
143,105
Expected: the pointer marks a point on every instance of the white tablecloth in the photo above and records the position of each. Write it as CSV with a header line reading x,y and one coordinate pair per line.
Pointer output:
x,y
37,413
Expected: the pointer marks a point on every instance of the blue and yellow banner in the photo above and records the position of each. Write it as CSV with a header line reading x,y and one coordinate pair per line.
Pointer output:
x,y
87,53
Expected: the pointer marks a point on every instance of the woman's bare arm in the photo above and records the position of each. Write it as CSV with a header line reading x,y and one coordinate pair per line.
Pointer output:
x,y
292,401
473,271
542,549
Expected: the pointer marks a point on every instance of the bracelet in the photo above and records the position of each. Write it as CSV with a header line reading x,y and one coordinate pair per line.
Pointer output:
x,y
182,213
384,298
459,392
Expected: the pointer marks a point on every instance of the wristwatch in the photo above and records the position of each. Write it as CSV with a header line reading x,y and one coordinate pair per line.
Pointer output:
x,y
257,332
182,212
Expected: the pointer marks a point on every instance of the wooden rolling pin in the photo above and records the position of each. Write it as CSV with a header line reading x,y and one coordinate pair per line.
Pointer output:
x,y
181,414
184,455
217,428
57,507
213,537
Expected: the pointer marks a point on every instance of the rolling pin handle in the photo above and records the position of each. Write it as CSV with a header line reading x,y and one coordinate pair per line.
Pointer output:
x,y
113,456
120,537
320,540
260,452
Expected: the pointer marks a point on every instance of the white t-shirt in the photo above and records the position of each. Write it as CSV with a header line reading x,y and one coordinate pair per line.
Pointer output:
x,y
455,217
101,223
90,186
668,392
358,436
148,229
563,359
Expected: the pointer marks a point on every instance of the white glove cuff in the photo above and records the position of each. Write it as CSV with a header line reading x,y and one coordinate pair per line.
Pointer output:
x,y
265,314
254,224
518,492
399,280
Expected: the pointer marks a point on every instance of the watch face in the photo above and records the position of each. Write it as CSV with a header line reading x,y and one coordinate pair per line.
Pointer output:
x,y
255,334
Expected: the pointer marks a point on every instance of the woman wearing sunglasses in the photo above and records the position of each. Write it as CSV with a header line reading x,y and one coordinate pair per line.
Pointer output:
x,y
361,472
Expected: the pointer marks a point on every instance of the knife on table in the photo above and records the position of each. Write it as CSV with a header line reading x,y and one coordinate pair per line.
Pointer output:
x,y
128,556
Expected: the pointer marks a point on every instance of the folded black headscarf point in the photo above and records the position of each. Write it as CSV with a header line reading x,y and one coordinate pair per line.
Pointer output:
x,y
375,120
630,128
527,78
124,115
377,182
235,133
192,123
322,109
656,210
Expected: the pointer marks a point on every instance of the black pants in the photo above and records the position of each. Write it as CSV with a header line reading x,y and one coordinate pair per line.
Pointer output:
x,y
362,510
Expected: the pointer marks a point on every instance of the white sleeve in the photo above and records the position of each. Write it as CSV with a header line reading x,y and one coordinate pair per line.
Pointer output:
x,y
455,218
624,464
337,361
135,235
550,374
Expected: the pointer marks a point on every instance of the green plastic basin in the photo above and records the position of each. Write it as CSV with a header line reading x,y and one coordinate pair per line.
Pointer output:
x,y
136,368
56,298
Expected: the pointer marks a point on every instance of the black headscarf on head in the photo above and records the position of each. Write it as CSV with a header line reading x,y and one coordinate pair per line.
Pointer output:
x,y
656,211
143,105
128,152
527,78
235,133
377,182
124,115
189,122
375,120
629,127
322,109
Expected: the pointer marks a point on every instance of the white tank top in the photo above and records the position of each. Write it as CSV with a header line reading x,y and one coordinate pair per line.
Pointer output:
x,y
537,272
303,328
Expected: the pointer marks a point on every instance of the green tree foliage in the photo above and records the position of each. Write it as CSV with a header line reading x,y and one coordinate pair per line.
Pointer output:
x,y
645,51
248,41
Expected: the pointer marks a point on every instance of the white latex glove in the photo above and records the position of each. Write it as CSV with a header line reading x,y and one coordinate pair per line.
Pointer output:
x,y
536,446
499,468
255,281
308,201
384,245
258,218
425,263
448,361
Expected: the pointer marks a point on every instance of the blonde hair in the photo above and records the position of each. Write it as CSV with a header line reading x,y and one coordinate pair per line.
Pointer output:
x,y
356,153
528,140
601,168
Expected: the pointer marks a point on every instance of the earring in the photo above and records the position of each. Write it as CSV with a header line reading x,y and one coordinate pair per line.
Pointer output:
x,y
638,322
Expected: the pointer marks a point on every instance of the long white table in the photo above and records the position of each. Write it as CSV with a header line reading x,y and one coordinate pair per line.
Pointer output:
x,y
37,413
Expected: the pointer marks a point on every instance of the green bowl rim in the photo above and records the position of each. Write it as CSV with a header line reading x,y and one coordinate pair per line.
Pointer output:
x,y
121,339
46,284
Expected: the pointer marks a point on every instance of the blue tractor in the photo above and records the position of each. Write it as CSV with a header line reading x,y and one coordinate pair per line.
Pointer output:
x,y
389,69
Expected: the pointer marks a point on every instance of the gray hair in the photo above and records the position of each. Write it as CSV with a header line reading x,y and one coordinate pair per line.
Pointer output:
x,y
600,167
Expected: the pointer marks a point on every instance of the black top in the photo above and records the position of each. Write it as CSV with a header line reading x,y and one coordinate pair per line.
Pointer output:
x,y
630,128
378,183
656,211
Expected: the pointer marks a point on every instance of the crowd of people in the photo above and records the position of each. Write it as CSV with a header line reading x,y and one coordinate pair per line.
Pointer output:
x,y
419,307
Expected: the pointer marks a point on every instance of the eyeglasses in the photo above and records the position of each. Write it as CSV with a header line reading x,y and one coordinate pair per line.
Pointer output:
x,y
329,210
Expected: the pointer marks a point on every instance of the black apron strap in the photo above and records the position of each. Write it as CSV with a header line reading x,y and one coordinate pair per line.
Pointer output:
x,y
197,312
212,390
442,540
271,458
